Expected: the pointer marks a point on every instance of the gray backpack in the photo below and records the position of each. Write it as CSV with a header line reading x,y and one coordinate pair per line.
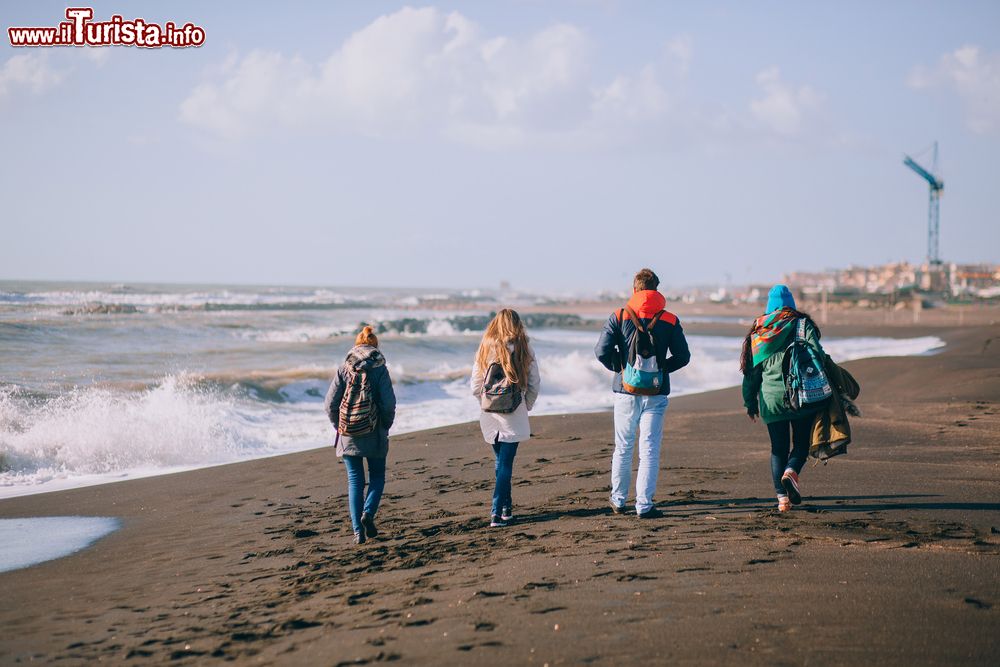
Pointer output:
x,y
499,393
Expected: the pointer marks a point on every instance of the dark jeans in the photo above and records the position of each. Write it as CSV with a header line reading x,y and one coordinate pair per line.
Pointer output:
x,y
801,434
504,452
356,497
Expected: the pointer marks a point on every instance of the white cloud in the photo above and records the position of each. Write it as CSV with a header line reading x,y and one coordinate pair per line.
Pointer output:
x,y
681,50
259,89
98,55
633,98
27,73
974,75
424,72
423,68
784,108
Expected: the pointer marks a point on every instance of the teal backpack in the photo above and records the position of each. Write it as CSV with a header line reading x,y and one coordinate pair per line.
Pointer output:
x,y
641,374
806,381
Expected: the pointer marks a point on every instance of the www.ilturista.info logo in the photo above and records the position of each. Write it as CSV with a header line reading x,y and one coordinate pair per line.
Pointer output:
x,y
80,30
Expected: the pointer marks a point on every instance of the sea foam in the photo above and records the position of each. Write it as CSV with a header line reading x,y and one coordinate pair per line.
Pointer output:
x,y
25,542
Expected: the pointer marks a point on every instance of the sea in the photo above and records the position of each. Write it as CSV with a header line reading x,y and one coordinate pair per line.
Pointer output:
x,y
104,382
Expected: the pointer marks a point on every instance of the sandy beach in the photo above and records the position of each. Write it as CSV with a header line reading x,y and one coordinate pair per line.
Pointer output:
x,y
894,557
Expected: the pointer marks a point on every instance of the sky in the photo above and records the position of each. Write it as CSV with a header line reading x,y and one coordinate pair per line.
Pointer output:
x,y
557,145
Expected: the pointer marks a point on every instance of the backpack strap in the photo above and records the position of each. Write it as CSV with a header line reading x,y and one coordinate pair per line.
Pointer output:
x,y
636,321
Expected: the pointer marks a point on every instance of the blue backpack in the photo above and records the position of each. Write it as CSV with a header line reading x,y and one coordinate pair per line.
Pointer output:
x,y
641,374
806,381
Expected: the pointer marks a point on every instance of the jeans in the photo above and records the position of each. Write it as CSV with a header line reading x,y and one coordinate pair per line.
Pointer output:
x,y
356,497
646,414
801,434
504,453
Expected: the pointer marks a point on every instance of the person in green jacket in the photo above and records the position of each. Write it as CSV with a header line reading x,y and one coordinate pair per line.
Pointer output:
x,y
764,391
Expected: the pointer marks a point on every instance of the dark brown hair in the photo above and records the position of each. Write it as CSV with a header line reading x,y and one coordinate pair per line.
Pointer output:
x,y
644,280
746,357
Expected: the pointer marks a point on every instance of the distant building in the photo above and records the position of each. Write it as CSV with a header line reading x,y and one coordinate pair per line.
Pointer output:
x,y
973,278
956,279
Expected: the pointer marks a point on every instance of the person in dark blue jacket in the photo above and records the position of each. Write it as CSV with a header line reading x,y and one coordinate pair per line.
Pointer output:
x,y
638,406
372,447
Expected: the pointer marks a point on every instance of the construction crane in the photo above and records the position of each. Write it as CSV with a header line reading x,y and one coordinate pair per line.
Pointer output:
x,y
933,211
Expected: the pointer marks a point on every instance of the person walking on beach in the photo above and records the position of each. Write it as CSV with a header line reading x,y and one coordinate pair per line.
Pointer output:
x,y
505,380
765,385
362,406
634,345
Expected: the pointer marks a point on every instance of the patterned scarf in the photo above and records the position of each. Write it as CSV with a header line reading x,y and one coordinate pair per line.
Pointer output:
x,y
770,333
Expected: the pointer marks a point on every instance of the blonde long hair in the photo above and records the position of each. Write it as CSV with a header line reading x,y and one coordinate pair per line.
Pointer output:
x,y
503,330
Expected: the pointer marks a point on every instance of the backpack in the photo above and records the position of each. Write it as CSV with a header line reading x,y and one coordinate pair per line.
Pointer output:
x,y
358,413
806,381
641,374
499,393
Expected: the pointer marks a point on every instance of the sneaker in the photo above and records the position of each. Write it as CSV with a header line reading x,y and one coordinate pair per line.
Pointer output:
x,y
359,537
790,481
616,508
651,513
368,521
507,514
784,504
497,522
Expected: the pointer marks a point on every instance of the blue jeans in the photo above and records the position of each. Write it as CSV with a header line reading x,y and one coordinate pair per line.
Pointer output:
x,y
780,443
504,453
644,413
356,497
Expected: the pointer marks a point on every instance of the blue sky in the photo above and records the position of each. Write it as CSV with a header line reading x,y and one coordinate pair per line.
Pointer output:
x,y
556,145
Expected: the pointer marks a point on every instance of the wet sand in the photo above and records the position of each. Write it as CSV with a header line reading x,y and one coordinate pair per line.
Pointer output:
x,y
894,557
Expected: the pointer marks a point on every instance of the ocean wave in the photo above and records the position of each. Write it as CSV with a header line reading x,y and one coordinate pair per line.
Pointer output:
x,y
468,324
92,431
84,300
455,325
174,298
306,384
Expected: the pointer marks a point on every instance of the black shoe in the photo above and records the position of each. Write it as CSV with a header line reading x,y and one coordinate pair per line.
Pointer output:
x,y
497,522
359,537
615,508
507,514
368,521
651,513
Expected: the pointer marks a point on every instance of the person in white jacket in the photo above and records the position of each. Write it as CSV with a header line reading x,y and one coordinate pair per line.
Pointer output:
x,y
507,358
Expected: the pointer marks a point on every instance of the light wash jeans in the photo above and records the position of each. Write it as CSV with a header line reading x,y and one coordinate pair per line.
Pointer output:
x,y
646,414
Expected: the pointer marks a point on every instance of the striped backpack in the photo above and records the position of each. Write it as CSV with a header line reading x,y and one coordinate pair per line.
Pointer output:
x,y
358,413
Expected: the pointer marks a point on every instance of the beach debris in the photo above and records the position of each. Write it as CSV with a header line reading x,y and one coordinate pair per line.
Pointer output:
x,y
978,604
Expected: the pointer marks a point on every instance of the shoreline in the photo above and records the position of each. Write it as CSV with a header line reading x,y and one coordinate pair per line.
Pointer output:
x,y
700,329
893,558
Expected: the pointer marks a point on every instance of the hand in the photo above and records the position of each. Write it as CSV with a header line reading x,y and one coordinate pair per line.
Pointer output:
x,y
752,415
